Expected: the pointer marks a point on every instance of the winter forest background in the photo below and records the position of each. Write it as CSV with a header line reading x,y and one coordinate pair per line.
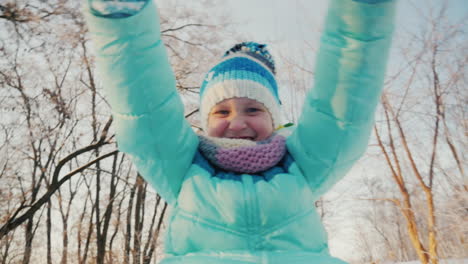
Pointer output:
x,y
68,196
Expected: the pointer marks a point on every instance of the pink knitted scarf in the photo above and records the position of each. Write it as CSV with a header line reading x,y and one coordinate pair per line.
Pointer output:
x,y
242,155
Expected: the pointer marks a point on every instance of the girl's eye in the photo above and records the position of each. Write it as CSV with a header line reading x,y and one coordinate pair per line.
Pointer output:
x,y
221,112
252,110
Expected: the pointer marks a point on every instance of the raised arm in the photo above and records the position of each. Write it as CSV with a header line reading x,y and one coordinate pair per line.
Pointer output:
x,y
337,117
140,86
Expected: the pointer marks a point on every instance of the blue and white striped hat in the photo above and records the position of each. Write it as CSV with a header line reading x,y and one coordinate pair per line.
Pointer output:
x,y
246,70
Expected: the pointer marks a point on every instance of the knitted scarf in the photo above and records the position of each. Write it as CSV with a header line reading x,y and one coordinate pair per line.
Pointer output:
x,y
242,155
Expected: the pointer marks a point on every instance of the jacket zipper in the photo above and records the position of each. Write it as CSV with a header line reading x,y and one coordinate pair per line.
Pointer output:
x,y
252,212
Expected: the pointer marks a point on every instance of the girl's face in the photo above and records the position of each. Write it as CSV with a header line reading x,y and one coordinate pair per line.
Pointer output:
x,y
240,118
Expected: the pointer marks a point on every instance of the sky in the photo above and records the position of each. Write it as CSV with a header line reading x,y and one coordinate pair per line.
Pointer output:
x,y
289,19
285,24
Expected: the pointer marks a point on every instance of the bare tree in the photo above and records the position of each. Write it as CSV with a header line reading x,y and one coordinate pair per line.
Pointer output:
x,y
61,175
417,134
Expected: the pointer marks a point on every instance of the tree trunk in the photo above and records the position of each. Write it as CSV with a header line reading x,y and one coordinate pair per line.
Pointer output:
x,y
431,224
128,233
28,237
413,232
139,209
65,243
49,230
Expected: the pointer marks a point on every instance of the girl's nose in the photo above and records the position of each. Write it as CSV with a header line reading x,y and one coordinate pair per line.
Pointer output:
x,y
237,122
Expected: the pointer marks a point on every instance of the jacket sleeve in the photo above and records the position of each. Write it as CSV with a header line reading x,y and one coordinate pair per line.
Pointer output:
x,y
337,116
140,87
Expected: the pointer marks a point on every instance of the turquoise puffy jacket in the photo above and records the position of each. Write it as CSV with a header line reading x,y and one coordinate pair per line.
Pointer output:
x,y
222,217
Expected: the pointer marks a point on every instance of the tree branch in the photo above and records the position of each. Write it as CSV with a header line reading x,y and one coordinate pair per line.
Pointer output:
x,y
15,222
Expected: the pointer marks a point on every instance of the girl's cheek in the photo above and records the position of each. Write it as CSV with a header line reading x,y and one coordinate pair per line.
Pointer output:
x,y
216,127
263,125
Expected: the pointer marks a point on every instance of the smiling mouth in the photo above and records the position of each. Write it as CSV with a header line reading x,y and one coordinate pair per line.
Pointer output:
x,y
249,138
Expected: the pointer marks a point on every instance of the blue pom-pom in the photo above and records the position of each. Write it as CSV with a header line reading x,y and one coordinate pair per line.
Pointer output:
x,y
255,50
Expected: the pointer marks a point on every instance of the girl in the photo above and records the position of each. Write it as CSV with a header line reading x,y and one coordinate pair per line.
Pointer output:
x,y
245,191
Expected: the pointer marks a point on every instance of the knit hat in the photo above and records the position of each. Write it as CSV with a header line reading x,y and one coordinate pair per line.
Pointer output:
x,y
246,70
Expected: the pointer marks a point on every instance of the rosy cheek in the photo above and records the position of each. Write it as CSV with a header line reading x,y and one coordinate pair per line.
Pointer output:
x,y
217,127
263,127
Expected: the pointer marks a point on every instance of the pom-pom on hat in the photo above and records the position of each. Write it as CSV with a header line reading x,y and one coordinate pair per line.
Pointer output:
x,y
246,70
